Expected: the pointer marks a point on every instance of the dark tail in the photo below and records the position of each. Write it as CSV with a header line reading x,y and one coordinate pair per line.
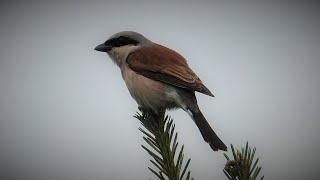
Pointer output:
x,y
207,132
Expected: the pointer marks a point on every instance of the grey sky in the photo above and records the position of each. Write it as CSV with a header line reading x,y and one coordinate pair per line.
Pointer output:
x,y
66,114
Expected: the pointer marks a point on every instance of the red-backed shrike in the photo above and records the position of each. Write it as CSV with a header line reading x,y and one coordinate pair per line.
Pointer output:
x,y
159,78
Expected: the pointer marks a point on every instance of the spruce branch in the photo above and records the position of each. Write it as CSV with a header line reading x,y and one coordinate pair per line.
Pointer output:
x,y
243,166
159,133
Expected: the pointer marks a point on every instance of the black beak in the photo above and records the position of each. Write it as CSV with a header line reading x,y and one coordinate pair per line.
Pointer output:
x,y
103,48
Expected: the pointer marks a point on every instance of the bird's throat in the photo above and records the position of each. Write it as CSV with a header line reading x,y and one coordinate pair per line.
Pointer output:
x,y
120,54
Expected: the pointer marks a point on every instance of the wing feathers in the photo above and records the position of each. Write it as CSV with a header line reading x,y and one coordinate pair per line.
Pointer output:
x,y
163,64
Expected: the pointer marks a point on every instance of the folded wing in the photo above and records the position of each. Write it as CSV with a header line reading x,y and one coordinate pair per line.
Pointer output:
x,y
163,64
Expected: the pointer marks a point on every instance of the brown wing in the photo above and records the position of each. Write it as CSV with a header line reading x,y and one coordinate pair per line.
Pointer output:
x,y
163,64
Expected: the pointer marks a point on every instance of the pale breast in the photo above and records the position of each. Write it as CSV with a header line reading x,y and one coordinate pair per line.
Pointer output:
x,y
147,92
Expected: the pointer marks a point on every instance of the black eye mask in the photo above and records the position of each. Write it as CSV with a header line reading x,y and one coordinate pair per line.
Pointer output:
x,y
120,41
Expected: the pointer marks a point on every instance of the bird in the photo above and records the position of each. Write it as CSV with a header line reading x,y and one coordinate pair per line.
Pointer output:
x,y
159,78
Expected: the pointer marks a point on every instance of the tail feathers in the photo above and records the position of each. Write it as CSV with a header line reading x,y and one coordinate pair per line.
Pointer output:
x,y
207,132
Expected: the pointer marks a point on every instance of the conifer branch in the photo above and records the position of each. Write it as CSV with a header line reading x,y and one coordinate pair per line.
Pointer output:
x,y
159,133
243,166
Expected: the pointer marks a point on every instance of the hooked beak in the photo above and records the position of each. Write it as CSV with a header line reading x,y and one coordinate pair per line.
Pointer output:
x,y
103,48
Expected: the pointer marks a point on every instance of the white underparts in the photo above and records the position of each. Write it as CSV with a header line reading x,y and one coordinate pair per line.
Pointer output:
x,y
172,95
147,92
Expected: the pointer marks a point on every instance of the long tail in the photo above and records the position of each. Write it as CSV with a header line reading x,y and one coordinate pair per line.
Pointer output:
x,y
207,132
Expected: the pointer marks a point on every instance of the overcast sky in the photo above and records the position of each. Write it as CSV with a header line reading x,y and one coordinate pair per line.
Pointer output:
x,y
66,114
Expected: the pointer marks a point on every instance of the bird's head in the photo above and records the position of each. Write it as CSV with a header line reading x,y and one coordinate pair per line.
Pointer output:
x,y
119,45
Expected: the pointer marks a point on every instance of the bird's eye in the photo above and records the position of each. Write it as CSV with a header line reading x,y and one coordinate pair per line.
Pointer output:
x,y
121,38
124,40
121,41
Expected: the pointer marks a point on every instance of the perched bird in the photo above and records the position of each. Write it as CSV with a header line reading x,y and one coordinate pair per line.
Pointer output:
x,y
159,78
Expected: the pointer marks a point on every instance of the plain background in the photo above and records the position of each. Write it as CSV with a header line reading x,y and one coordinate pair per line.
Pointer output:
x,y
67,115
